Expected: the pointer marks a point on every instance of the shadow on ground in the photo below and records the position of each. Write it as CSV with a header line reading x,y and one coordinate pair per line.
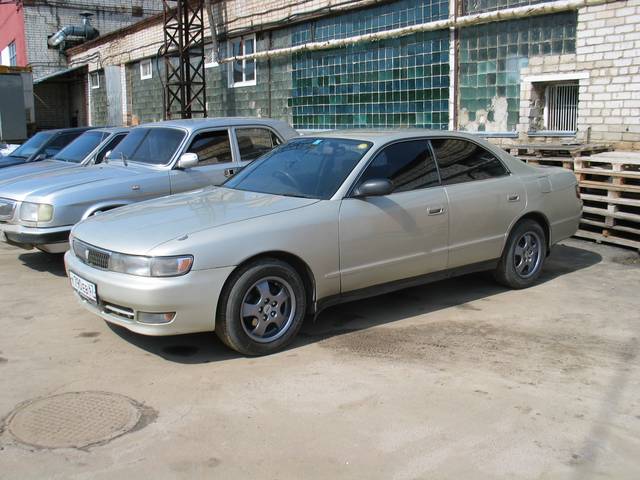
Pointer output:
x,y
52,263
368,313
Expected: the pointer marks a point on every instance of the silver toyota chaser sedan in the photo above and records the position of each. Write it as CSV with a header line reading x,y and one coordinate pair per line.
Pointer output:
x,y
153,160
317,221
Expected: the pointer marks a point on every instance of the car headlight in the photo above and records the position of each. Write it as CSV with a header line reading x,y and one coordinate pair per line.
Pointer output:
x,y
36,212
150,266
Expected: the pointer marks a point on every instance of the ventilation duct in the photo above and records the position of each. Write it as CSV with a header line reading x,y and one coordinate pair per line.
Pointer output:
x,y
84,32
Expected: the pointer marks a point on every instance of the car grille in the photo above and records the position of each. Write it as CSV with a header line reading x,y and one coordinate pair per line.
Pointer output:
x,y
7,207
91,255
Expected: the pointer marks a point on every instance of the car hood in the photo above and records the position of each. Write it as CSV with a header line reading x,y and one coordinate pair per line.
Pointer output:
x,y
138,228
23,170
46,183
10,161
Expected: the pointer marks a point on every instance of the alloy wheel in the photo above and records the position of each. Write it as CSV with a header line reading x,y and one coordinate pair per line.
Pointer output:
x,y
268,309
527,254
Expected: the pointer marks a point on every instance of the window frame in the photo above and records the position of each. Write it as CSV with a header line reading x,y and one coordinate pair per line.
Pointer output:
x,y
244,82
143,76
94,85
246,127
374,155
213,130
477,144
576,85
13,53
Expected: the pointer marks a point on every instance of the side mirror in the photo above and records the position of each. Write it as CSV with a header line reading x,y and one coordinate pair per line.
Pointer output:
x,y
187,160
376,187
107,155
40,157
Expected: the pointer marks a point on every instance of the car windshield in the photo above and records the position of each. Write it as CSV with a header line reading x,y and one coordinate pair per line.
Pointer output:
x,y
32,145
154,146
82,146
304,167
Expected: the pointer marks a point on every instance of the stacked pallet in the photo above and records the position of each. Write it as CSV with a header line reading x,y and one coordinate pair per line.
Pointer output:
x,y
610,188
556,154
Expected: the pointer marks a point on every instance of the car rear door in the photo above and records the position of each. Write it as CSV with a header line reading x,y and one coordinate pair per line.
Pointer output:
x,y
397,236
215,161
253,142
484,199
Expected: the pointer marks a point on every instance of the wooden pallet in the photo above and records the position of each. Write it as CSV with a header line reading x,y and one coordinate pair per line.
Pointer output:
x,y
610,188
556,154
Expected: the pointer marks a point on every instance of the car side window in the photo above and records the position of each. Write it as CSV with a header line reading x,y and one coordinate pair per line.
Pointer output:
x,y
212,147
108,147
408,165
60,142
462,161
255,142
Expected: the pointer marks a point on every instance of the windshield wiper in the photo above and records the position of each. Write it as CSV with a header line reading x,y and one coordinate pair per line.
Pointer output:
x,y
297,195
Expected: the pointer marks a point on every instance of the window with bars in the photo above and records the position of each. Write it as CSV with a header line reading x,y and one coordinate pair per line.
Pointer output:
x,y
561,107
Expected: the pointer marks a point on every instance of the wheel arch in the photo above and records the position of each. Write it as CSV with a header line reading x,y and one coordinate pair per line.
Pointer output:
x,y
299,265
538,217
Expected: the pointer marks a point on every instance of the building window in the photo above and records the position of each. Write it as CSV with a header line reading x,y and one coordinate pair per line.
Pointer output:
x,y
94,80
242,72
561,107
13,56
146,71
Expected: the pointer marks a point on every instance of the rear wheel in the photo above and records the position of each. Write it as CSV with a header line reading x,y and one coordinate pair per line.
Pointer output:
x,y
262,307
523,256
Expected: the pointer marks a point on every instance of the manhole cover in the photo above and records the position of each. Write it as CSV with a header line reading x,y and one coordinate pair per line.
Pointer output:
x,y
73,420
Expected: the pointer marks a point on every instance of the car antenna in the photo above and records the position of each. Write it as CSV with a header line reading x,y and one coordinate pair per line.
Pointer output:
x,y
123,157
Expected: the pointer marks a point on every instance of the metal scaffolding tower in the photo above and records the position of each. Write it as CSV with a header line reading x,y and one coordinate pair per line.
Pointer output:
x,y
183,50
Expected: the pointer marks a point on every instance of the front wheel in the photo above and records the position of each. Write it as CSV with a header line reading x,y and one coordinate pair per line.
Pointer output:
x,y
262,307
523,256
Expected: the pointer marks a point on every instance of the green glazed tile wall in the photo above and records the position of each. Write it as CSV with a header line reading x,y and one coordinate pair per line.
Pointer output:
x,y
479,6
492,55
393,83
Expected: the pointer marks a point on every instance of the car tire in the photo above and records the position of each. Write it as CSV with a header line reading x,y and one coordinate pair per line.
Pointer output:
x,y
261,308
523,256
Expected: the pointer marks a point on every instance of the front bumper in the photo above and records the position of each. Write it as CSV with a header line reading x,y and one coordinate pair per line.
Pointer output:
x,y
54,239
194,298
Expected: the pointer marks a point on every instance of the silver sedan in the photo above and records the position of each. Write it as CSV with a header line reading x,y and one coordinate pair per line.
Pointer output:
x,y
318,221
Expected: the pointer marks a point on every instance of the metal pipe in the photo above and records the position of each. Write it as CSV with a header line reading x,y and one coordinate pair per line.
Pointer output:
x,y
452,22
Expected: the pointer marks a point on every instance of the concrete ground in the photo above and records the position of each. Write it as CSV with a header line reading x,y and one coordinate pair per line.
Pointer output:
x,y
460,379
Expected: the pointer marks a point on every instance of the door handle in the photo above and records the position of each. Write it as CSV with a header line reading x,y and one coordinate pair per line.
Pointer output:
x,y
436,211
228,172
513,197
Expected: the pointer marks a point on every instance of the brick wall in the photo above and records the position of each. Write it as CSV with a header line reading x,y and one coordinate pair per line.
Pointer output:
x,y
608,47
98,102
144,96
43,20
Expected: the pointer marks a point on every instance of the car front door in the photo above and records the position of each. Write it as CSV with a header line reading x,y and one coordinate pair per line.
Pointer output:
x,y
215,162
400,235
484,200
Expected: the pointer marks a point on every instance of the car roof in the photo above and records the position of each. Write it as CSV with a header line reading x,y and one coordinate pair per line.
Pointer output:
x,y
390,135
113,129
68,130
193,124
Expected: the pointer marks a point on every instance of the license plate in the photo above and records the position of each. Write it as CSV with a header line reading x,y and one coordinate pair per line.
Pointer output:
x,y
83,287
